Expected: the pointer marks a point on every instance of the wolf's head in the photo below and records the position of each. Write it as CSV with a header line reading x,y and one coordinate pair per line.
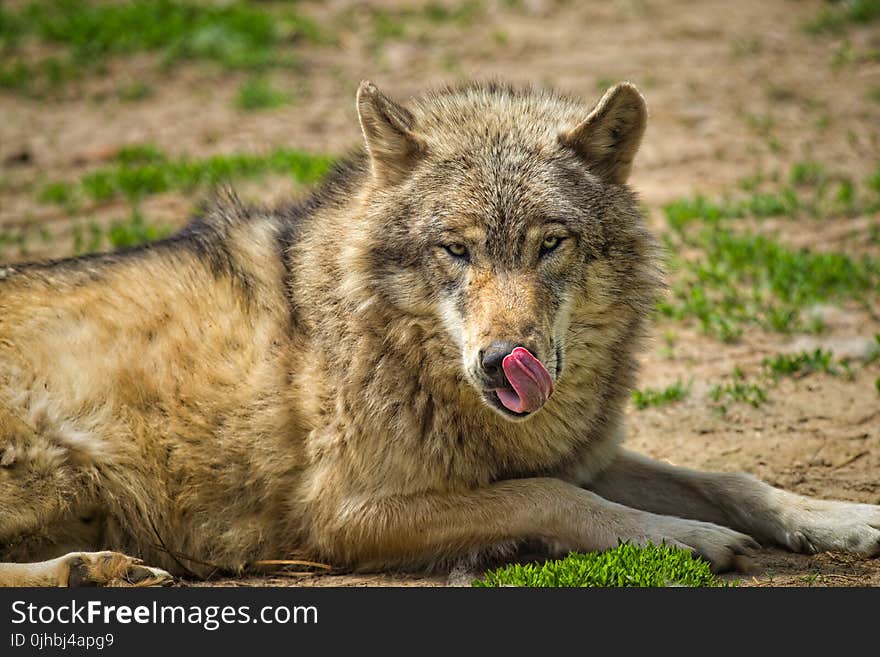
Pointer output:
x,y
503,214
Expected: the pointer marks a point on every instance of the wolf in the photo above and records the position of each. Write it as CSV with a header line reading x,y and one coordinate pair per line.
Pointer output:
x,y
424,363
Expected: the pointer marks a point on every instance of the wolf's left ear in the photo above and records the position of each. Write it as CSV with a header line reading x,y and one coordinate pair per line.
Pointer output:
x,y
609,137
388,132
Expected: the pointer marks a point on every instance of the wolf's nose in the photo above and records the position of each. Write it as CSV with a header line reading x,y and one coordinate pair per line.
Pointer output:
x,y
490,361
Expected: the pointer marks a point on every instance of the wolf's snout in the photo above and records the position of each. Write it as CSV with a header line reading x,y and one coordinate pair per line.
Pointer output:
x,y
521,382
491,359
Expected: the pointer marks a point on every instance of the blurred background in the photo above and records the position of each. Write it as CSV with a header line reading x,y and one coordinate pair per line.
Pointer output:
x,y
760,170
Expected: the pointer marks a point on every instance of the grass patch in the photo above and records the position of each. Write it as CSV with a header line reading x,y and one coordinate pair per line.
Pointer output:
x,y
811,191
626,565
87,239
58,193
752,279
131,231
796,276
746,47
133,92
802,363
134,231
235,35
259,94
759,204
807,173
39,78
398,23
843,13
737,390
21,239
463,13
846,54
874,354
873,181
13,239
143,170
658,397
682,212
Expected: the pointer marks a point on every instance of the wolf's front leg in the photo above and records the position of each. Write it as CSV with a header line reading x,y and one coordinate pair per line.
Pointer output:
x,y
742,502
439,528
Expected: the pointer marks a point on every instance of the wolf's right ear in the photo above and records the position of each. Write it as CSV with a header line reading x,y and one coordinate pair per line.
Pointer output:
x,y
607,140
388,132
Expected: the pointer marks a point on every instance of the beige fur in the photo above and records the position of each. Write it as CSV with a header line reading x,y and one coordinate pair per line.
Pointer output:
x,y
307,381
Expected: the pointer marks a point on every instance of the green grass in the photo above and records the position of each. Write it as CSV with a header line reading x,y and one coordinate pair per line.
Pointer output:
x,y
499,37
141,171
134,231
22,238
235,35
804,362
874,354
811,191
752,279
400,22
843,13
139,154
873,182
39,78
131,231
463,13
88,239
258,94
58,193
792,275
133,92
744,47
626,565
668,348
13,239
658,397
737,391
682,212
846,54
807,173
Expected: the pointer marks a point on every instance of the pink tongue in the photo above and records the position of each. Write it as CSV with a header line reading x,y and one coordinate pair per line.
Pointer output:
x,y
531,382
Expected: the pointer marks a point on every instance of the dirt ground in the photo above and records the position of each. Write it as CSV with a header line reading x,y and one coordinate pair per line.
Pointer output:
x,y
733,89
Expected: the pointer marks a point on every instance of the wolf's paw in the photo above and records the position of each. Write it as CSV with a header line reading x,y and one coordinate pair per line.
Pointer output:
x,y
822,525
111,569
724,549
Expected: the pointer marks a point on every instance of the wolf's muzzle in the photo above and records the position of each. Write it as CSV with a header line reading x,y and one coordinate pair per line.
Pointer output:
x,y
491,359
519,383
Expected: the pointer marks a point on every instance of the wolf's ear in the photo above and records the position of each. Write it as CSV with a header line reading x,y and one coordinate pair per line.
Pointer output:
x,y
388,132
609,137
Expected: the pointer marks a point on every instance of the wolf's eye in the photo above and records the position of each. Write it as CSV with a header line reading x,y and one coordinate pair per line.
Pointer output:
x,y
550,243
457,250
